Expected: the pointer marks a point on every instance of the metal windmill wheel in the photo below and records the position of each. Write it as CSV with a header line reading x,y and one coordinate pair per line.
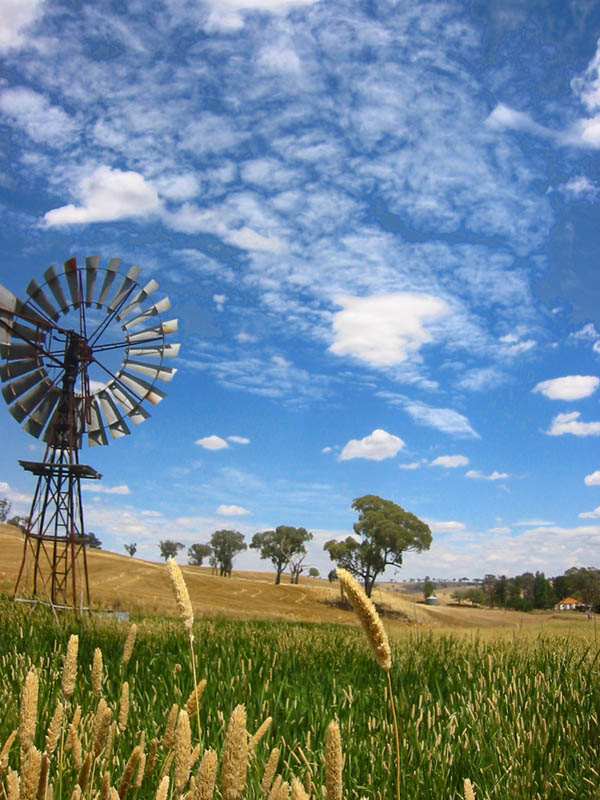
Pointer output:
x,y
79,358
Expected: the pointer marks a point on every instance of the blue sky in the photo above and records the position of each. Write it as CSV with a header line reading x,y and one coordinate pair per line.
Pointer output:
x,y
377,224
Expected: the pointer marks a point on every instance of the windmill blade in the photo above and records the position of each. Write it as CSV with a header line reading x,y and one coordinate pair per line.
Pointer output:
x,y
26,404
114,421
139,298
36,422
72,275
158,308
22,384
91,269
154,371
111,271
143,389
158,350
38,296
11,306
125,288
95,430
56,288
133,408
155,332
17,349
12,369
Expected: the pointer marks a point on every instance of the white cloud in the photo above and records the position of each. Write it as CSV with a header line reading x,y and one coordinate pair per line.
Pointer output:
x,y
41,121
590,514
99,488
593,479
571,387
580,187
16,16
107,195
503,117
514,347
382,329
587,86
232,511
494,476
245,338
586,334
501,529
377,446
450,461
533,523
327,449
178,187
212,443
410,465
239,439
444,419
219,300
6,491
569,423
440,526
248,239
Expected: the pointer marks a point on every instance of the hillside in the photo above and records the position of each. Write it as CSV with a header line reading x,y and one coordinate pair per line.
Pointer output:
x,y
121,583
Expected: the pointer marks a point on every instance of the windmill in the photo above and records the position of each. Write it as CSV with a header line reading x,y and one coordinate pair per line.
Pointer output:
x,y
78,358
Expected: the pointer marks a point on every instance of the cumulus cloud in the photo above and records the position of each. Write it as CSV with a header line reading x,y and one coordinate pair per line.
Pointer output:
x,y
232,511
212,443
450,461
17,15
593,479
99,488
441,526
239,439
571,387
410,465
383,329
376,446
570,423
107,195
525,523
494,476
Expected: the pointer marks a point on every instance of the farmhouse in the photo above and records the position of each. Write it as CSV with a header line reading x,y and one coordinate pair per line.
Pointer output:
x,y
569,604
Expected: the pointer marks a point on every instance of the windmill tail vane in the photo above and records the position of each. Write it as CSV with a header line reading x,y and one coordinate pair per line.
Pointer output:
x,y
45,374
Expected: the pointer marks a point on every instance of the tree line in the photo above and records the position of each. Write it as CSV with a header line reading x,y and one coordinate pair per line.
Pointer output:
x,y
530,591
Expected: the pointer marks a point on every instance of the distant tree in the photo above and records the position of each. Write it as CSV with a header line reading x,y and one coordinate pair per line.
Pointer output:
x,y
501,591
131,548
19,522
226,545
92,540
543,596
297,539
475,595
197,553
489,589
5,507
271,547
428,587
313,572
386,532
332,576
169,549
561,587
585,584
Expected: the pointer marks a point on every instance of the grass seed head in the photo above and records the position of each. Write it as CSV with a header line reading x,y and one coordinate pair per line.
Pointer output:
x,y
298,791
169,735
333,762
206,776
70,666
183,747
259,734
181,595
28,715
128,772
97,672
469,793
54,728
191,705
270,769
124,706
101,727
6,750
129,643
368,616
31,774
13,785
163,789
235,755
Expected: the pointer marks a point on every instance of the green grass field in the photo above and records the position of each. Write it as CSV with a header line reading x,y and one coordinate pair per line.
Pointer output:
x,y
518,717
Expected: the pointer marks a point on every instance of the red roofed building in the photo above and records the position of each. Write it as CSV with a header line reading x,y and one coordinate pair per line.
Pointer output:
x,y
569,604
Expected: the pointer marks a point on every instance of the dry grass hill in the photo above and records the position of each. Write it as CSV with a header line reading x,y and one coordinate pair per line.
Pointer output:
x,y
121,583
